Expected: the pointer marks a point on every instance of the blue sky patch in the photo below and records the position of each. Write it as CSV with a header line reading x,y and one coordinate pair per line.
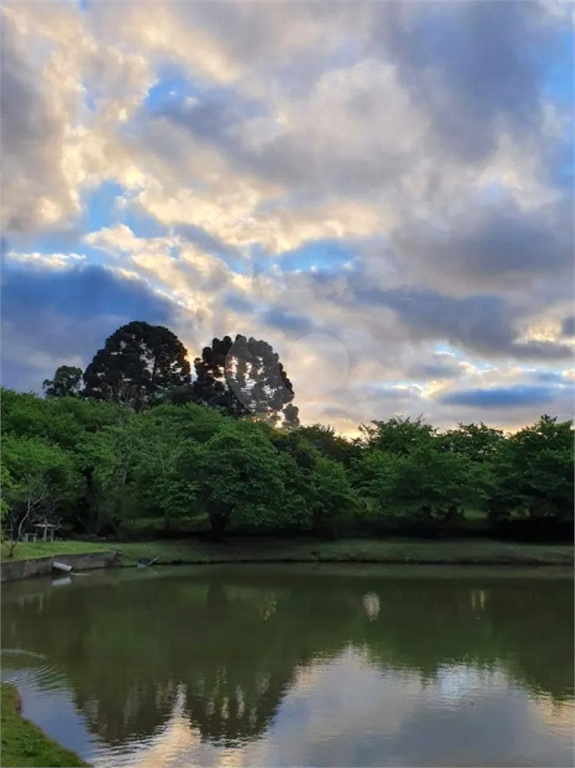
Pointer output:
x,y
101,206
322,255
172,87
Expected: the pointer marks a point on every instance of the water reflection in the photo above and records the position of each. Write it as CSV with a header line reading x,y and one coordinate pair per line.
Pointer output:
x,y
260,667
371,604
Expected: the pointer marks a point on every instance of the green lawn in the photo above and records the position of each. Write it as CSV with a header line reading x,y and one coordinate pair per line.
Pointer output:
x,y
24,744
351,550
25,550
254,549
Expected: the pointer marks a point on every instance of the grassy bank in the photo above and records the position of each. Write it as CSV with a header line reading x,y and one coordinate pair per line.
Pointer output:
x,y
28,550
24,744
260,549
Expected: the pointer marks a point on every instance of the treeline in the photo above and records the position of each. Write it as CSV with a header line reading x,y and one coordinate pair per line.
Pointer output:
x,y
135,438
142,365
95,467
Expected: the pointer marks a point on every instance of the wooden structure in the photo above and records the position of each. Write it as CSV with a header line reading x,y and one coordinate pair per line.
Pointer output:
x,y
47,527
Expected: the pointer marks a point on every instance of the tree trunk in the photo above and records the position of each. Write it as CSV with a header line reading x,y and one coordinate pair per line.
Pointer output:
x,y
218,522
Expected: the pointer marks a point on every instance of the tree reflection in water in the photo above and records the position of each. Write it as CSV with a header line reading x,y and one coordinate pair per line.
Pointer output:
x,y
220,652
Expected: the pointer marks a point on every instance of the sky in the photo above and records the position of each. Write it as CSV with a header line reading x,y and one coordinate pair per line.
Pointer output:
x,y
381,190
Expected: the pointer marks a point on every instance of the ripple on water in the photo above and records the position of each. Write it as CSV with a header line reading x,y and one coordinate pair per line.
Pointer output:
x,y
45,679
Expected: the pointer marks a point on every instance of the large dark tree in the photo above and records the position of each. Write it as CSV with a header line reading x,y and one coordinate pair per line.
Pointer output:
x,y
139,362
210,385
67,382
245,376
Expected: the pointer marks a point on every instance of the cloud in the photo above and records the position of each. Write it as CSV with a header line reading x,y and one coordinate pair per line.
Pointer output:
x,y
481,323
35,189
429,145
477,70
207,242
547,377
45,260
437,366
501,397
238,303
55,146
288,321
493,241
56,317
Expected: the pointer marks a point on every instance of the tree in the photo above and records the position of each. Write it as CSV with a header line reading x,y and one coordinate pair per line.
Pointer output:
x,y
42,480
67,382
7,485
138,363
187,421
397,435
73,425
109,460
242,377
237,470
329,495
426,484
291,416
328,443
317,487
476,441
179,396
534,473
159,484
210,385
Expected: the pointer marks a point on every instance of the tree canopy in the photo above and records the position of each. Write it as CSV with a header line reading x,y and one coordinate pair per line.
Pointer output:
x,y
244,377
138,363
67,382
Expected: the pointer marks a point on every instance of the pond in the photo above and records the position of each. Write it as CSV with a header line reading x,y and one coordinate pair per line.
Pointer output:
x,y
295,665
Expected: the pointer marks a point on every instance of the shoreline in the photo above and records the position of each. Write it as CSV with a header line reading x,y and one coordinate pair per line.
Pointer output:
x,y
460,552
24,744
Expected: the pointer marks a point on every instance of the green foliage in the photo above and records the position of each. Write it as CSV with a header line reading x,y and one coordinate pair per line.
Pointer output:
x,y
476,441
426,483
7,485
36,466
187,421
161,450
43,482
237,472
97,465
533,473
67,382
329,495
61,421
327,442
397,435
317,486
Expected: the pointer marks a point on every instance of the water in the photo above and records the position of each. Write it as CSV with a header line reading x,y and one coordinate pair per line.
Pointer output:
x,y
298,666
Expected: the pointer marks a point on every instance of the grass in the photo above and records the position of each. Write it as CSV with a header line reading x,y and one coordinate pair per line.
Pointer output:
x,y
25,550
350,550
24,744
261,549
